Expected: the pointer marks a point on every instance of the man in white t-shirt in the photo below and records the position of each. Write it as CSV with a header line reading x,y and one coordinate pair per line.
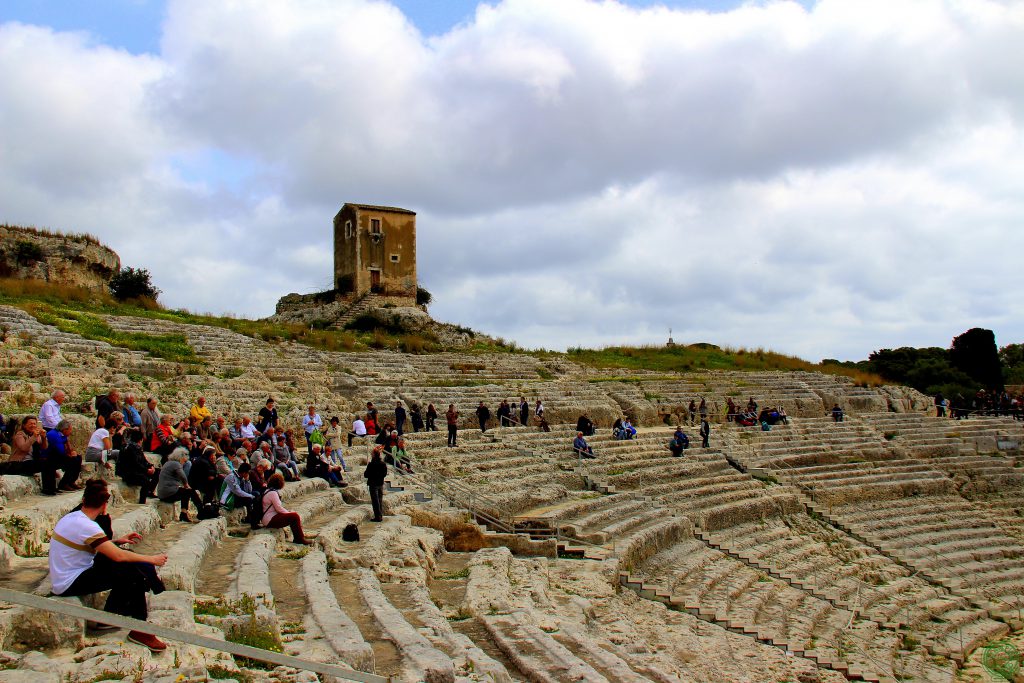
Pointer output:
x,y
358,430
248,429
84,560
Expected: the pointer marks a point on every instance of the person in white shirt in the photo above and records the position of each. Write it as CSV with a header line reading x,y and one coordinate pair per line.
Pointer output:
x,y
100,448
358,430
248,429
85,559
49,414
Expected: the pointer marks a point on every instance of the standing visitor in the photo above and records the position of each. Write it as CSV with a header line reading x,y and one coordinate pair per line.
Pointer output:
x,y
431,418
705,432
399,417
311,422
375,473
452,418
483,414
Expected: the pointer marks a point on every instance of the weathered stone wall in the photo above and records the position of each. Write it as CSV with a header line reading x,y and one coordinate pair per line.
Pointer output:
x,y
26,253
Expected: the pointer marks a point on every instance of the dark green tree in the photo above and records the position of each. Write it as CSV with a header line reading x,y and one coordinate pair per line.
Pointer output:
x,y
423,297
975,353
133,283
1012,358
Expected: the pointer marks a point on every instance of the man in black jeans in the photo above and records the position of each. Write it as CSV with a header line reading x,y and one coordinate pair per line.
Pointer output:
x,y
59,455
84,560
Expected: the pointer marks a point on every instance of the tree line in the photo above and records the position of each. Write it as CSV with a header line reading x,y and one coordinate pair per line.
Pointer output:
x,y
971,363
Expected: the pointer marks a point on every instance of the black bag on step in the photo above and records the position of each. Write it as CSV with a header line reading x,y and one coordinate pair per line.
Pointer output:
x,y
209,511
350,533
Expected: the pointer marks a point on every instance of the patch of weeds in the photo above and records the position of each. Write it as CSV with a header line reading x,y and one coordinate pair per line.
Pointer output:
x,y
255,635
909,643
295,554
453,576
231,373
292,627
219,672
889,436
214,608
461,614
17,533
544,373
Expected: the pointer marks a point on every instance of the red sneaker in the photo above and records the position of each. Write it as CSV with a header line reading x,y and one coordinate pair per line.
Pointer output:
x,y
152,642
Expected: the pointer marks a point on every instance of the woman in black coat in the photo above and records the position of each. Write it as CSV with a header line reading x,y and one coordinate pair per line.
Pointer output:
x,y
375,473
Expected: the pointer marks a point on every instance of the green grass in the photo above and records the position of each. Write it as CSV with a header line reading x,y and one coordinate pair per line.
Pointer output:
x,y
62,300
454,576
708,356
172,347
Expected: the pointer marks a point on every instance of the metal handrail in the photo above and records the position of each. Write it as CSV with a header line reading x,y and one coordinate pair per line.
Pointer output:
x,y
78,611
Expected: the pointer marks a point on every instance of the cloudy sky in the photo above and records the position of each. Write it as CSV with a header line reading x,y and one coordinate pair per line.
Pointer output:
x,y
819,178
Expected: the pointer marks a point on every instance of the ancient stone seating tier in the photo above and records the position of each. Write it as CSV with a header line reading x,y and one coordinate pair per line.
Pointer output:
x,y
815,557
947,540
721,589
925,435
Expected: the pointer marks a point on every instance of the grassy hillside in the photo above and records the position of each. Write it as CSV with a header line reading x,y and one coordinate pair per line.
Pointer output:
x,y
77,310
709,356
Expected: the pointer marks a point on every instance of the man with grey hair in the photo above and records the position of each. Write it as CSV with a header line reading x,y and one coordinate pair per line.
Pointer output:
x,y
150,420
131,413
49,414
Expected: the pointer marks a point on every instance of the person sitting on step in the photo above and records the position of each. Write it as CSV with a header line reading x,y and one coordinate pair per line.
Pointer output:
x,y
172,487
83,560
135,469
275,516
580,448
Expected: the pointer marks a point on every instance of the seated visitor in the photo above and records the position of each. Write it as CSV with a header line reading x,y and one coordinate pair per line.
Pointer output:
x,y
580,447
163,442
837,413
285,460
398,457
100,448
679,443
358,430
83,560
135,469
203,475
59,455
275,516
628,430
27,447
319,465
173,487
237,491
585,424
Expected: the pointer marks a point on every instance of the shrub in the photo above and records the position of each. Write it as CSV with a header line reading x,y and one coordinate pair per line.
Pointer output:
x,y
133,283
423,297
26,253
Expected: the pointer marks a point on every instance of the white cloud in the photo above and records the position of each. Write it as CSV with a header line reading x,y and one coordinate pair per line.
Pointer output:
x,y
822,181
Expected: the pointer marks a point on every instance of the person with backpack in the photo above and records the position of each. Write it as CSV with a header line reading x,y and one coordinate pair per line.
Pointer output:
x,y
679,443
375,473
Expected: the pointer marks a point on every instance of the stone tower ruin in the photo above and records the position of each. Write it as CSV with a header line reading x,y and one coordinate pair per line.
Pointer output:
x,y
375,251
